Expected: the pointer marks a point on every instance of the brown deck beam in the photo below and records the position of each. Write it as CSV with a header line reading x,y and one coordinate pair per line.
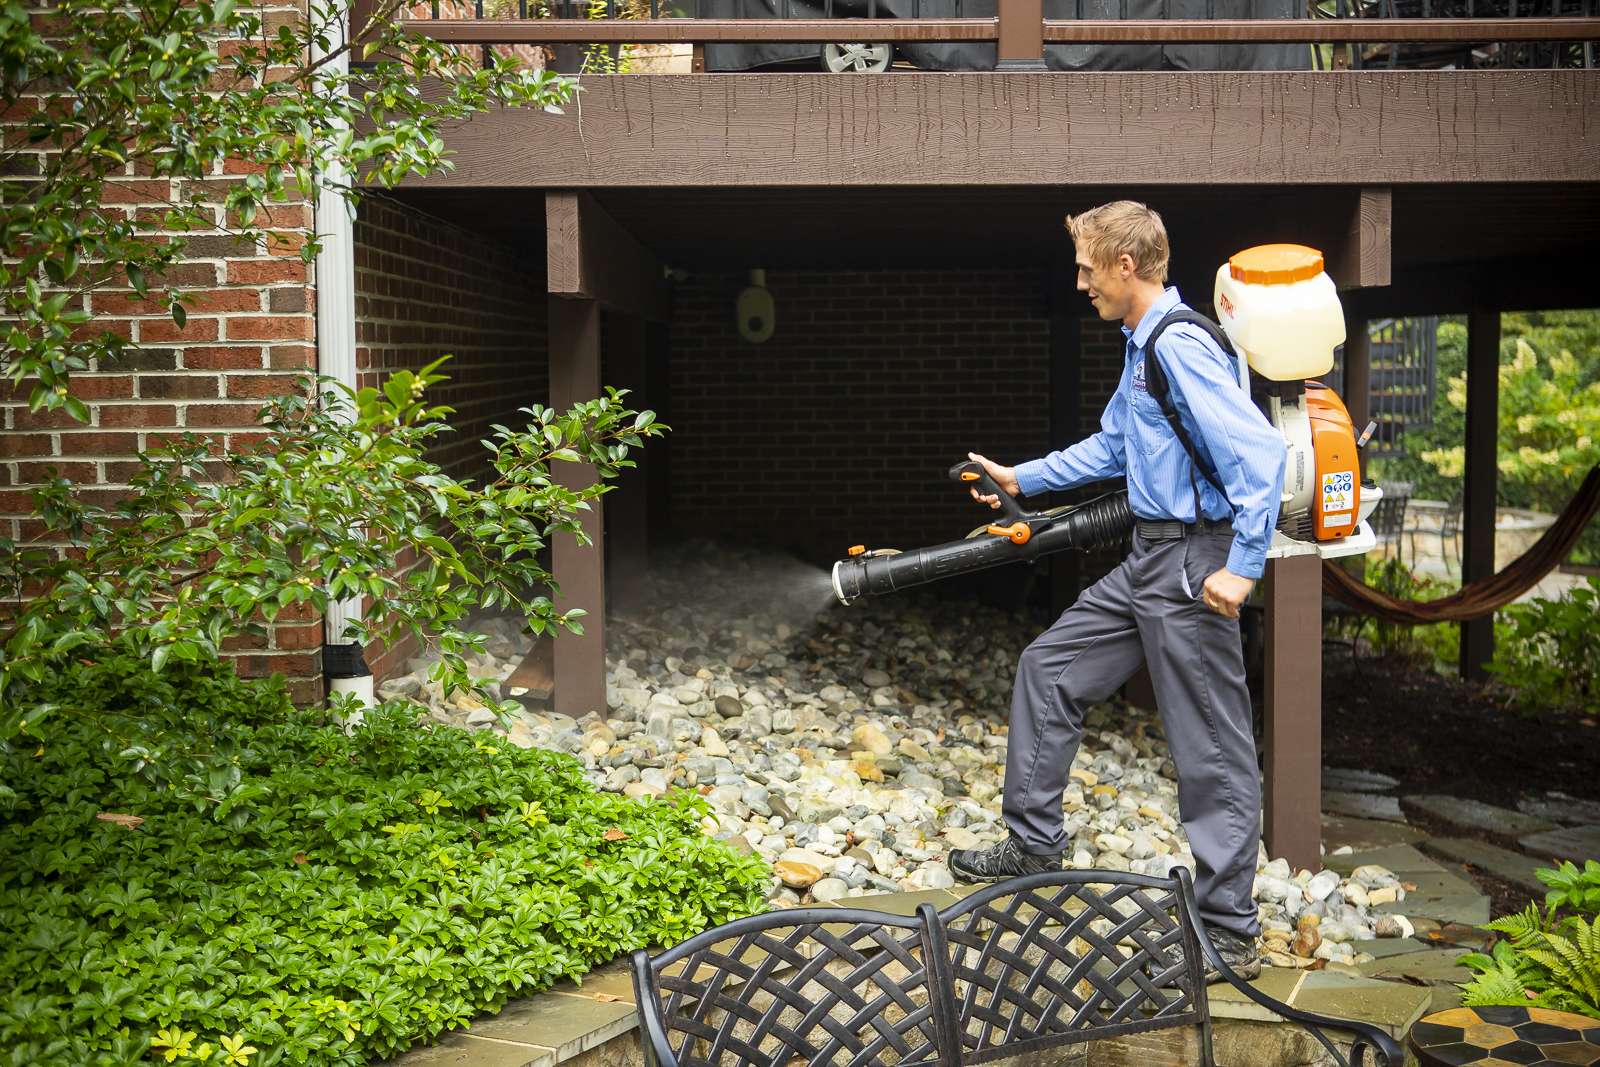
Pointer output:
x,y
1359,128
1053,31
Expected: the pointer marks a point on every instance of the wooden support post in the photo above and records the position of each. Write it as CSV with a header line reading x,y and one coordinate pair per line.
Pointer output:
x,y
1357,371
1021,44
590,255
627,505
1293,792
579,570
1479,476
590,263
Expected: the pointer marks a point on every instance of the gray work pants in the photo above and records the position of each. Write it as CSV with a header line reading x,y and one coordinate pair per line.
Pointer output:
x,y
1148,610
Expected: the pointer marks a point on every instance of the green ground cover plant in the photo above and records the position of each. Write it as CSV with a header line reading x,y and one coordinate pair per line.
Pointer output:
x,y
313,897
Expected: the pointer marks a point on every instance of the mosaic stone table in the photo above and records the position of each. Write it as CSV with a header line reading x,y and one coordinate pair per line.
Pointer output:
x,y
1505,1037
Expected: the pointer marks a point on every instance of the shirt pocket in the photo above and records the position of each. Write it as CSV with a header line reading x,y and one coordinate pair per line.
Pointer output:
x,y
1151,434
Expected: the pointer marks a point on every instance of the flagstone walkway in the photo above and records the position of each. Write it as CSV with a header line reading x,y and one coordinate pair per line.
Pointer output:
x,y
593,1025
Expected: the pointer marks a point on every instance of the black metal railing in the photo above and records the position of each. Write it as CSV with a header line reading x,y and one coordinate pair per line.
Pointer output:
x,y
1500,54
1341,34
1402,358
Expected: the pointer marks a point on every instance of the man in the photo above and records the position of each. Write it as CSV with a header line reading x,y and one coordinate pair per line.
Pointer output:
x,y
1172,604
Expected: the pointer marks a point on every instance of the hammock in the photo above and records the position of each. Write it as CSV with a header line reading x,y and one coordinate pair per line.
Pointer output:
x,y
1480,598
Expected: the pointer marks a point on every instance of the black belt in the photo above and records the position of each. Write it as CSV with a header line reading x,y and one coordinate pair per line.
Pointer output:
x,y
1173,530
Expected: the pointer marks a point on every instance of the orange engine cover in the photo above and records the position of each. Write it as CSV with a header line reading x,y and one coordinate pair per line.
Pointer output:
x,y
1338,483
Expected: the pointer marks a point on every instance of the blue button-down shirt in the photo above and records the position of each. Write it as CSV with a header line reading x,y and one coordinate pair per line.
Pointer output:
x,y
1234,440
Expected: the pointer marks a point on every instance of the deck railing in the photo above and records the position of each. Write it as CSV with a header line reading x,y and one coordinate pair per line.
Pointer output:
x,y
1341,33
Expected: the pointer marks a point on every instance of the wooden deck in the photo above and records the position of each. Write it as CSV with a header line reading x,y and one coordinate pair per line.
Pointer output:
x,y
1146,128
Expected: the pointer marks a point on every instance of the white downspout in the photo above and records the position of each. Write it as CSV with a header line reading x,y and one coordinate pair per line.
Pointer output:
x,y
335,274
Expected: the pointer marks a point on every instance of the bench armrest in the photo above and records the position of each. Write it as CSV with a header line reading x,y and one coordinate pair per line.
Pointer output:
x,y
1367,1038
653,1043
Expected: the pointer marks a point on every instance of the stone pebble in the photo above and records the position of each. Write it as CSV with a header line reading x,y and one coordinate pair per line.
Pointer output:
x,y
853,748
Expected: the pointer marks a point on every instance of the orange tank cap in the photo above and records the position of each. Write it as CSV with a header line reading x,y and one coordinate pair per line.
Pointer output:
x,y
1275,264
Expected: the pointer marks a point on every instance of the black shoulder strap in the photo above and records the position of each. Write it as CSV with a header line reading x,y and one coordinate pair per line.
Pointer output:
x,y
1155,380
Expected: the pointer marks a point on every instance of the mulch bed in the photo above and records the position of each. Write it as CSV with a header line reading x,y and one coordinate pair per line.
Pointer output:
x,y
1437,734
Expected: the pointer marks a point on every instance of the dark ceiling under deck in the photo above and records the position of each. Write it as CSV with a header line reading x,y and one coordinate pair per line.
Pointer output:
x,y
1487,231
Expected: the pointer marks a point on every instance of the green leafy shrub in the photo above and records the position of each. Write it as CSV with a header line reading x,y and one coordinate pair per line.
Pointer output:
x,y
185,561
1572,886
339,897
1544,963
1549,653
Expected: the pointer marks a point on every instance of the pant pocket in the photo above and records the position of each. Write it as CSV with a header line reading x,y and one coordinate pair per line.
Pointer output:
x,y
1203,556
1192,588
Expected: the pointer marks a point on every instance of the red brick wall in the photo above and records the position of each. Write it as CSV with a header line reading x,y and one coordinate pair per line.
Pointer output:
x,y
424,288
840,428
427,288
250,327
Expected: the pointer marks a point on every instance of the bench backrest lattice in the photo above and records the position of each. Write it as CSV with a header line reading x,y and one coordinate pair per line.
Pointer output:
x,y
831,987
1050,960
1023,966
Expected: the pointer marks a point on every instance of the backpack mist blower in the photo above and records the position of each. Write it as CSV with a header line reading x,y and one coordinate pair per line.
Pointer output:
x,y
1281,311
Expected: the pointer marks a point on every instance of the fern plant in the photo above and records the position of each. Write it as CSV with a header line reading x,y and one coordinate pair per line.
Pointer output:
x,y
1542,963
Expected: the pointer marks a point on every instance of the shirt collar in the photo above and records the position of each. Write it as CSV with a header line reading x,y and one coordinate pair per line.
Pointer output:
x,y
1164,303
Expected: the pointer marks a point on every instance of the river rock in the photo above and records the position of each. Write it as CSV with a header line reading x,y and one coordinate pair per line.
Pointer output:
x,y
829,889
797,875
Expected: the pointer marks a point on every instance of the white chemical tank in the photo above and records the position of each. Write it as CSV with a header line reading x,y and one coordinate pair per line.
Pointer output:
x,y
1280,310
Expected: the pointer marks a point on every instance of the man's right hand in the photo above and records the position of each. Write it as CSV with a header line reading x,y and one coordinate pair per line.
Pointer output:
x,y
1004,477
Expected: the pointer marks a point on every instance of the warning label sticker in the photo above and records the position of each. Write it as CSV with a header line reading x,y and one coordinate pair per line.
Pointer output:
x,y
1338,492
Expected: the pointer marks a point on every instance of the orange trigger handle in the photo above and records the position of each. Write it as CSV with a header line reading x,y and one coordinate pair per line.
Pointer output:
x,y
1018,532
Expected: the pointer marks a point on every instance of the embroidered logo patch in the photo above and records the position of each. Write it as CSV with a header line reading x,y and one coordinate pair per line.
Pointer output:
x,y
1138,377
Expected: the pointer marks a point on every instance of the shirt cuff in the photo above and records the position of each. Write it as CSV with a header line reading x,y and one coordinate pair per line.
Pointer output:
x,y
1030,477
1245,561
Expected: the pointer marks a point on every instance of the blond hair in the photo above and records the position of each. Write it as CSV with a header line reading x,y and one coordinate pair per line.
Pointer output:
x,y
1106,232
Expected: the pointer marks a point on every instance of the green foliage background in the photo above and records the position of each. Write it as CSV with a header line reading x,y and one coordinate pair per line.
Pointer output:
x,y
1549,433
352,895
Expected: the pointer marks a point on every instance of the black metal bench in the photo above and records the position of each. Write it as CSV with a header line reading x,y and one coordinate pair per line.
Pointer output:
x,y
1023,966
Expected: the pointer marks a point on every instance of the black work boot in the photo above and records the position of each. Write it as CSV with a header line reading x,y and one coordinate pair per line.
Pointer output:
x,y
998,862
1242,954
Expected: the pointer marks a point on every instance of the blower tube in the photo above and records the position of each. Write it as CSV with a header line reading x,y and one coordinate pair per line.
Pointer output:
x,y
1100,523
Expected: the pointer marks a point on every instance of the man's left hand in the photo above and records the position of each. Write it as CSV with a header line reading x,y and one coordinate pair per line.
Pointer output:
x,y
1226,592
